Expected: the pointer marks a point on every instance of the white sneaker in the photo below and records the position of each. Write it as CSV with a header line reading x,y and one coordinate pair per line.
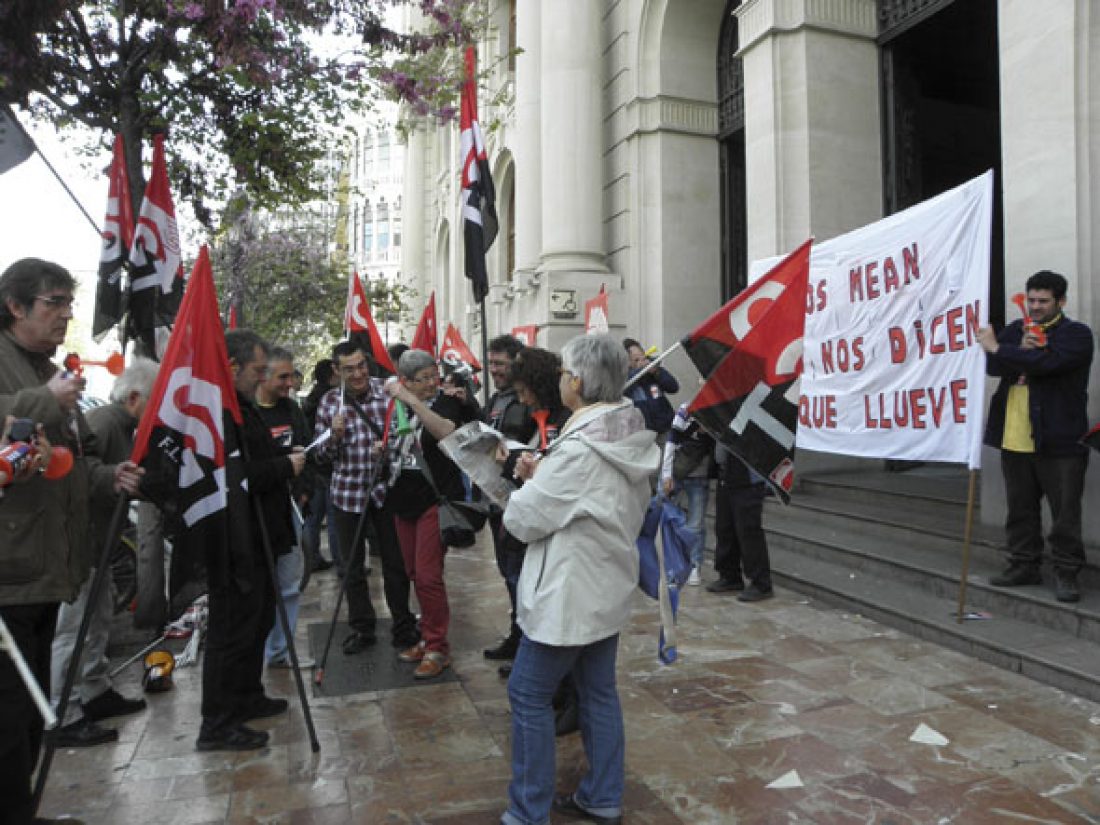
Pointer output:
x,y
695,579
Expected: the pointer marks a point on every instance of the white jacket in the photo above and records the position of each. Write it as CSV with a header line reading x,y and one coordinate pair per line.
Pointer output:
x,y
580,515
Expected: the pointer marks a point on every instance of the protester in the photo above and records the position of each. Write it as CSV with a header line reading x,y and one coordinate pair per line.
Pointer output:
x,y
649,392
325,378
580,511
1036,419
686,468
287,424
512,418
93,697
356,419
45,555
424,475
740,544
242,598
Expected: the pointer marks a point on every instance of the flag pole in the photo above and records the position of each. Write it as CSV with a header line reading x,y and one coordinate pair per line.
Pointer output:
x,y
965,572
280,605
652,364
114,530
484,353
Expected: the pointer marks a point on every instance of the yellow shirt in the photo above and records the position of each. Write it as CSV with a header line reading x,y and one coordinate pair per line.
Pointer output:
x,y
1017,436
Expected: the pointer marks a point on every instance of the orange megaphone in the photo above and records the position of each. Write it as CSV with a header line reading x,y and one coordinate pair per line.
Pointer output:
x,y
115,363
540,417
1020,300
14,457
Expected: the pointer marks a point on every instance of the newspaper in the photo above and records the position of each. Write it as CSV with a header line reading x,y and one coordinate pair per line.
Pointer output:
x,y
473,448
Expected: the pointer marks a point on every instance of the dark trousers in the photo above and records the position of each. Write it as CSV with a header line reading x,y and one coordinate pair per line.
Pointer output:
x,y
237,627
740,543
1028,479
21,726
395,580
509,553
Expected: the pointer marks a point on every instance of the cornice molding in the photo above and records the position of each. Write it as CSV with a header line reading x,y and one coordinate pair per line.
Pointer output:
x,y
757,19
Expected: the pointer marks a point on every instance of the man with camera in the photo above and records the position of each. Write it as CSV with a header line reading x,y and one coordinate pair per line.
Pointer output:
x,y
45,547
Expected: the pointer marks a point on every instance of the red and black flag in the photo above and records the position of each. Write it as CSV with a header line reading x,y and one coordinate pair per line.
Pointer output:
x,y
479,213
187,438
359,326
426,338
156,284
712,340
749,402
118,237
454,351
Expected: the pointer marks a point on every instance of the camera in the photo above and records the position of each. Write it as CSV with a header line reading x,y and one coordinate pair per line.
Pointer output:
x,y
22,429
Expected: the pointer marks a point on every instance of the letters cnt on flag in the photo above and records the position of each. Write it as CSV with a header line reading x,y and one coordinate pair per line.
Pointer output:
x,y
187,439
15,144
712,340
595,314
749,402
118,237
359,326
454,350
426,337
479,215
156,284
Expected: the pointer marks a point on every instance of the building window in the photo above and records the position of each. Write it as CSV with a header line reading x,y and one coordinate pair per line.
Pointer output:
x,y
368,232
382,226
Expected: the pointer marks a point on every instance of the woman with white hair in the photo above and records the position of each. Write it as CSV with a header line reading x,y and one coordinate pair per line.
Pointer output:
x,y
579,511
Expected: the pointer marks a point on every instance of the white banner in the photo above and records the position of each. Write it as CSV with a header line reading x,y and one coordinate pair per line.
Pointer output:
x,y
892,366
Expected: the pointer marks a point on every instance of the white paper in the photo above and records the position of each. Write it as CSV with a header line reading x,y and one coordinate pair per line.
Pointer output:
x,y
791,779
927,736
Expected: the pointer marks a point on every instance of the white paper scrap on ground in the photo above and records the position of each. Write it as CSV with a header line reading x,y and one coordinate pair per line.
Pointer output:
x,y
790,779
926,736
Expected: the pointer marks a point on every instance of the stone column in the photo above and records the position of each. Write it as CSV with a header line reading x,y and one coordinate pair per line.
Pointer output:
x,y
527,145
413,259
812,128
572,148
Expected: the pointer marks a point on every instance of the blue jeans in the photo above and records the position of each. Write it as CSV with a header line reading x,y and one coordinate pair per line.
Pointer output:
x,y
697,490
536,672
288,569
320,509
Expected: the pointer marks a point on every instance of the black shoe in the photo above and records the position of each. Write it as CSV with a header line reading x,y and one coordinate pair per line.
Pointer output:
x,y
239,738
1065,587
505,650
63,820
320,565
111,703
505,670
724,585
566,805
752,593
358,642
84,734
264,707
1016,575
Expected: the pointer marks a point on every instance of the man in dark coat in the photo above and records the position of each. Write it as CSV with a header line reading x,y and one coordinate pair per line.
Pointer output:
x,y
1036,419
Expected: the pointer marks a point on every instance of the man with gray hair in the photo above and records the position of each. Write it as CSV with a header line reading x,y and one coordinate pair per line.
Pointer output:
x,y
94,697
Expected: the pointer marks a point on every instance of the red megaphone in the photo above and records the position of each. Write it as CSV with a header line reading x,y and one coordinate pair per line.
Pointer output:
x,y
1020,300
14,458
115,363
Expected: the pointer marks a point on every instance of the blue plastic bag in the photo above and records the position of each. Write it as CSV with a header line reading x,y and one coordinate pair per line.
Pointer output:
x,y
676,538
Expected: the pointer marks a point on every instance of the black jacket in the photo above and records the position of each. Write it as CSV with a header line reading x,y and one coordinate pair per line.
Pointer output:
x,y
268,471
1057,377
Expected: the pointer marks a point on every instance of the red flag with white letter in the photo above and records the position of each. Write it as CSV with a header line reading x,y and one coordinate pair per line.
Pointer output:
x,y
118,237
454,350
479,214
527,335
712,340
157,280
359,325
749,402
426,337
595,314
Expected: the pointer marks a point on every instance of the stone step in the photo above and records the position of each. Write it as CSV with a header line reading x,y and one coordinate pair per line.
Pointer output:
x,y
943,486
1049,655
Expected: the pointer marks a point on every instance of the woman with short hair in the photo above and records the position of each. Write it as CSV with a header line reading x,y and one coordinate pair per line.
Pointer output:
x,y
580,512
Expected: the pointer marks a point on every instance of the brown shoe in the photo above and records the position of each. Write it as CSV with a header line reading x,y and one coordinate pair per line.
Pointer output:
x,y
412,654
433,664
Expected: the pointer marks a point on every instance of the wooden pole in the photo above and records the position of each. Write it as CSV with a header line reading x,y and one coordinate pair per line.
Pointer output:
x,y
967,530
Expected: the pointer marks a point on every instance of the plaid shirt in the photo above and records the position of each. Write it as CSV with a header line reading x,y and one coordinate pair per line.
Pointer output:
x,y
351,456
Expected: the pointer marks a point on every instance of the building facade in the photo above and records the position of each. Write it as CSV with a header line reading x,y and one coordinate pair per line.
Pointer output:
x,y
659,146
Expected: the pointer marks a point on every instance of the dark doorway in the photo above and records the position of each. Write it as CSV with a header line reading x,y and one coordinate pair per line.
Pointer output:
x,y
731,157
941,108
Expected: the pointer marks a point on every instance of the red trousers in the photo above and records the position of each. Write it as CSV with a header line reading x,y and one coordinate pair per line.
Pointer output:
x,y
423,551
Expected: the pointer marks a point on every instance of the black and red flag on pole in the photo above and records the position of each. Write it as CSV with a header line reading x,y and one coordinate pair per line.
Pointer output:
x,y
713,339
359,326
479,213
749,402
157,282
118,237
187,438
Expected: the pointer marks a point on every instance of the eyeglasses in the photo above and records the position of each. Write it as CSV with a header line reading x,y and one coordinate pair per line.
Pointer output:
x,y
56,301
564,371
348,369
427,379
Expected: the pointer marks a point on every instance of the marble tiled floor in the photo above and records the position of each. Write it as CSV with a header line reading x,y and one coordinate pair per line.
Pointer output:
x,y
760,691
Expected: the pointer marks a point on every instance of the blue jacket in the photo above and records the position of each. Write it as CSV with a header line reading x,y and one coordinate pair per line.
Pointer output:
x,y
1057,378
